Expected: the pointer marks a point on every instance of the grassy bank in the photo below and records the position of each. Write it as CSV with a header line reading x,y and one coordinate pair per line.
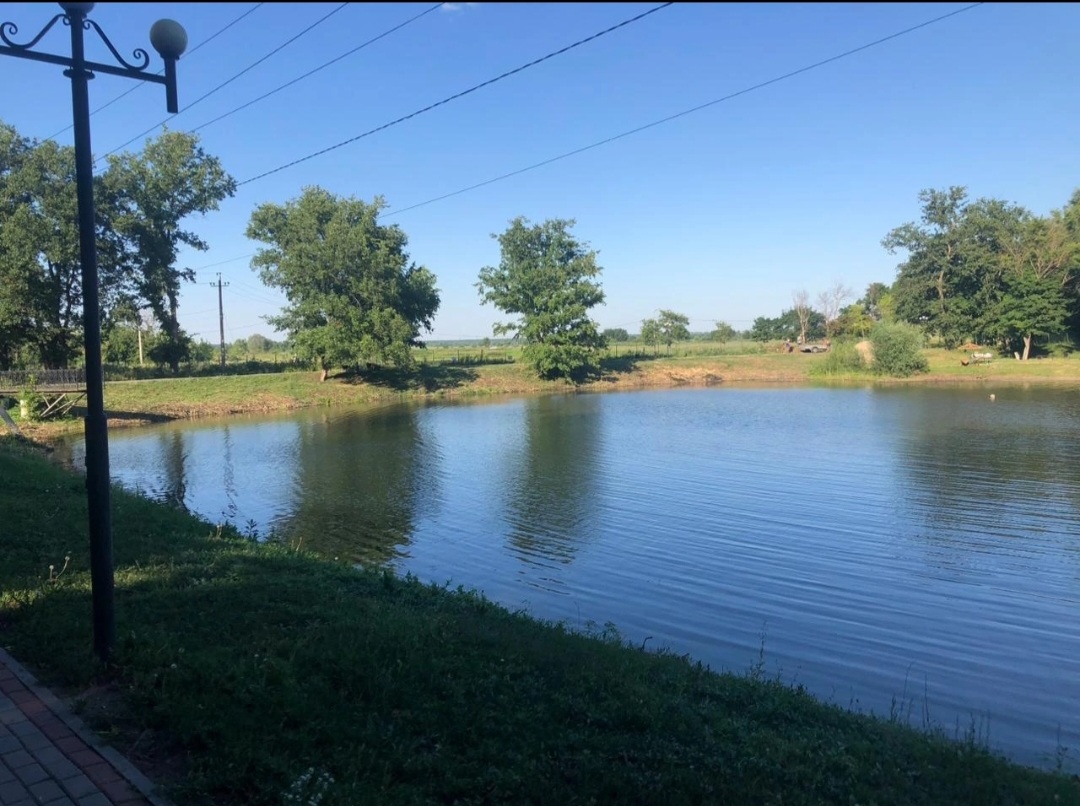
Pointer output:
x,y
141,402
186,397
131,403
249,674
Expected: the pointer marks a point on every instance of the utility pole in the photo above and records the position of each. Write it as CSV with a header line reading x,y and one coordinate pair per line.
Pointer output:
x,y
138,329
221,315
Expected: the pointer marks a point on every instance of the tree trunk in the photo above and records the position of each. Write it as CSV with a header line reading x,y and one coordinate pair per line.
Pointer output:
x,y
172,333
1027,347
323,374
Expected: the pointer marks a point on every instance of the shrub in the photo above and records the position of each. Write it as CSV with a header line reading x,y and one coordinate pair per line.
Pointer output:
x,y
898,349
842,359
30,401
1060,349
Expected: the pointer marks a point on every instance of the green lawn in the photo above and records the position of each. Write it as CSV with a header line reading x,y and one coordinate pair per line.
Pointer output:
x,y
243,671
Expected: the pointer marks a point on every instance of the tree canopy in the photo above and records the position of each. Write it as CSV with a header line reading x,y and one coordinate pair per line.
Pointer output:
x,y
355,296
141,201
148,195
651,333
722,332
674,327
788,326
668,328
987,269
616,334
548,279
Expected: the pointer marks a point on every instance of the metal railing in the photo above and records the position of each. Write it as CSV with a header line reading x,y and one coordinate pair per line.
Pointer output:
x,y
43,379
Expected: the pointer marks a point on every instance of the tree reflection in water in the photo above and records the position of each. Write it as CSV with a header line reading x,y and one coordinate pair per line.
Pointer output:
x,y
361,478
551,494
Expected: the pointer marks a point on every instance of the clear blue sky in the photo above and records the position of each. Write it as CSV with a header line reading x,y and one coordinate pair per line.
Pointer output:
x,y
720,214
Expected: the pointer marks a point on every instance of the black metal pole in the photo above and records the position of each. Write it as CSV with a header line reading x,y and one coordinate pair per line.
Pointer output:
x,y
98,493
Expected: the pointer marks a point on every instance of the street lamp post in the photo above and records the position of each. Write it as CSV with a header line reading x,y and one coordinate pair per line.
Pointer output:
x,y
169,40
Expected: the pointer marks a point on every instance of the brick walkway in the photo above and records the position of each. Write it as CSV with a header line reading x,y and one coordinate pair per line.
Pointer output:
x,y
49,758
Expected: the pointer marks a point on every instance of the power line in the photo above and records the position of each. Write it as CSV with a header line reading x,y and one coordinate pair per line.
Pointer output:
x,y
247,294
686,112
190,53
261,293
223,262
454,97
231,80
248,324
317,69
212,37
249,291
668,119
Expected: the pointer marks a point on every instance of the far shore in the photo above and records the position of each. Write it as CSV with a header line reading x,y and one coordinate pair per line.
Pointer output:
x,y
138,403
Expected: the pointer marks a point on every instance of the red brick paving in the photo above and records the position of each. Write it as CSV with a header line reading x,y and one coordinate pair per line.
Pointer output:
x,y
101,775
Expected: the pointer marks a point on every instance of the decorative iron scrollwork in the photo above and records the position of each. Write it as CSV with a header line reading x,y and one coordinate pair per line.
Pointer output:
x,y
139,53
8,29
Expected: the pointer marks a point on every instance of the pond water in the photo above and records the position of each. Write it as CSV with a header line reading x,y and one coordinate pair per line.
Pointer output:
x,y
904,549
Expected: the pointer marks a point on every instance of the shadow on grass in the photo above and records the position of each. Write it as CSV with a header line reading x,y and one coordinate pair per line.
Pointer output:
x,y
425,378
623,364
79,413
227,644
138,416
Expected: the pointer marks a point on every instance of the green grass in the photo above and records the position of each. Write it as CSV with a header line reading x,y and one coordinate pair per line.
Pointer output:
x,y
458,372
249,669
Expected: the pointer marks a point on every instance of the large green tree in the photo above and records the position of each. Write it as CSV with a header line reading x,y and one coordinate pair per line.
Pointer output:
x,y
1039,260
1028,307
789,326
1070,215
41,300
141,200
548,279
936,286
986,270
147,196
355,296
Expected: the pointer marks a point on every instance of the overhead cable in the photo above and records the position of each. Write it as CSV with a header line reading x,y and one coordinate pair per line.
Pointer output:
x,y
457,95
685,112
228,81
323,66
136,86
